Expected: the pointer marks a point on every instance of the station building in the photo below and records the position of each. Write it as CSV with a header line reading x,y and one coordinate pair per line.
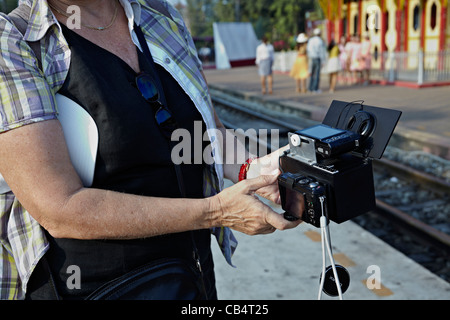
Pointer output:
x,y
410,38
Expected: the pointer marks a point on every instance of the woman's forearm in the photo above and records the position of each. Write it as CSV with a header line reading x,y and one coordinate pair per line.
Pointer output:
x,y
101,214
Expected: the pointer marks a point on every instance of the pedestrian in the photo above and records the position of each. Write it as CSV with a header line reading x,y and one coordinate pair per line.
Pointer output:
x,y
349,53
343,59
333,64
300,69
143,216
366,57
316,52
356,60
264,60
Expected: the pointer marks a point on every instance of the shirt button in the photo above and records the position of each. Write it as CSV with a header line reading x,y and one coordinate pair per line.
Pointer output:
x,y
167,60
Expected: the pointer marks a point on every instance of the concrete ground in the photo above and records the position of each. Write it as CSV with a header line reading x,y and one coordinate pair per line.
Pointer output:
x,y
286,265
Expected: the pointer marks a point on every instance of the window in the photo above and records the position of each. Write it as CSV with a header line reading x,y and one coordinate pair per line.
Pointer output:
x,y
416,18
433,15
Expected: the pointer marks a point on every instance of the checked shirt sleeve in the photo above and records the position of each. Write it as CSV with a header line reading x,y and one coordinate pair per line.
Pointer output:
x,y
25,96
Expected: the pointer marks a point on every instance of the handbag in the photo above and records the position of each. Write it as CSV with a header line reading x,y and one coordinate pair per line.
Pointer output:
x,y
164,279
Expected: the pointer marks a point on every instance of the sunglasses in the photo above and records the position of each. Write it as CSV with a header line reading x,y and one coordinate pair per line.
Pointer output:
x,y
163,116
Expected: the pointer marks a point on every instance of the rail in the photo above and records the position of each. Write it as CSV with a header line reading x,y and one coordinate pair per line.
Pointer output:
x,y
412,225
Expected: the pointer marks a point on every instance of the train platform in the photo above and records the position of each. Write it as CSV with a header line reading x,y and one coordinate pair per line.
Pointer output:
x,y
286,265
424,124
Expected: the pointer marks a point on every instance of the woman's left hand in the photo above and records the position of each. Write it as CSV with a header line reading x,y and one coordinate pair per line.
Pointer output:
x,y
267,165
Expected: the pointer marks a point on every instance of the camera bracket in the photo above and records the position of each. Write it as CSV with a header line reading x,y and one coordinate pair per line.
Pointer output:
x,y
302,148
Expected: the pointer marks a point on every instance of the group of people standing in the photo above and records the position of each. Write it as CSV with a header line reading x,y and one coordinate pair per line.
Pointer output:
x,y
351,57
356,59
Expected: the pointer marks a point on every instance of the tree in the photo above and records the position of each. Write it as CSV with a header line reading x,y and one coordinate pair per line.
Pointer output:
x,y
201,16
278,19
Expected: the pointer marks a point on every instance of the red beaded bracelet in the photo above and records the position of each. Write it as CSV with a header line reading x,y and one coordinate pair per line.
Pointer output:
x,y
244,169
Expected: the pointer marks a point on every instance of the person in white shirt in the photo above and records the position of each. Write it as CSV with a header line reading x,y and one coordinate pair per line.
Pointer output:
x,y
264,60
317,54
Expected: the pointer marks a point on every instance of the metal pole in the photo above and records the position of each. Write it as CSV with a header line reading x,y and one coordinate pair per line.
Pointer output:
x,y
392,57
420,74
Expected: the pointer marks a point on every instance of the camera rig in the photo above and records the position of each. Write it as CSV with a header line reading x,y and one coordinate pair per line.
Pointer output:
x,y
328,167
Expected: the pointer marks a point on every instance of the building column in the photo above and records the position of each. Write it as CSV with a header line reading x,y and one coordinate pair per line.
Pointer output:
x,y
443,28
359,28
398,26
422,26
383,26
340,20
406,26
349,8
329,24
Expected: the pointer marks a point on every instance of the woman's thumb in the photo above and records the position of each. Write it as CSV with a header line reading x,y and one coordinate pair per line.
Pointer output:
x,y
261,181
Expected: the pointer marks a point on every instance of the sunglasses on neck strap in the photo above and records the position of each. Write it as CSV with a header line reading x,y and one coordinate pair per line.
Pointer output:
x,y
150,92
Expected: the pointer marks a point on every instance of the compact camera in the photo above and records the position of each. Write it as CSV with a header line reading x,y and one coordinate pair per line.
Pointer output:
x,y
328,167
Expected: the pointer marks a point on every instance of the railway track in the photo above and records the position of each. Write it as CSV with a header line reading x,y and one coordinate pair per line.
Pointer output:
x,y
413,207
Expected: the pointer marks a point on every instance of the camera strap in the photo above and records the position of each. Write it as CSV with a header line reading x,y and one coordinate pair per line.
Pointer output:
x,y
326,275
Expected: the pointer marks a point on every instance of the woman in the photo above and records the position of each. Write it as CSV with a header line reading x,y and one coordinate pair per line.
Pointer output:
x,y
264,60
333,64
300,69
366,57
355,60
343,58
135,211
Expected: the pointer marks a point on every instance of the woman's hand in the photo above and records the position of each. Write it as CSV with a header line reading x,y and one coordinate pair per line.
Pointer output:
x,y
237,207
267,165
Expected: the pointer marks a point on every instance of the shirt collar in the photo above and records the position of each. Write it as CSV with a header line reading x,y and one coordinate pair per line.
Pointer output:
x,y
42,18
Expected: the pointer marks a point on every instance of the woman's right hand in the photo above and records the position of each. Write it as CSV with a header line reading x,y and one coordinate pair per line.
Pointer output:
x,y
238,208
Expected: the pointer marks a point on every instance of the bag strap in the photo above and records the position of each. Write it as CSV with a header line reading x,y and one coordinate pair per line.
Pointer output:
x,y
179,174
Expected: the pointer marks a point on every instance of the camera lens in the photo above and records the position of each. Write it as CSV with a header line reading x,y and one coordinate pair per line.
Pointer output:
x,y
329,286
304,181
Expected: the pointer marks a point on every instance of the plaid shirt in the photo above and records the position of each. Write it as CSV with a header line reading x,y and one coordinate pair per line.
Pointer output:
x,y
27,96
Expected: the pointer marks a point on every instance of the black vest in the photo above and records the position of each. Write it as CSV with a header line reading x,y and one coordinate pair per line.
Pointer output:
x,y
133,157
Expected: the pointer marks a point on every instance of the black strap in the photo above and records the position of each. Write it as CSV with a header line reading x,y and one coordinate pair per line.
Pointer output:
x,y
149,57
163,100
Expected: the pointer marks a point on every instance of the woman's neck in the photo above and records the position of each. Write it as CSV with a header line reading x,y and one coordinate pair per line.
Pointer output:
x,y
93,10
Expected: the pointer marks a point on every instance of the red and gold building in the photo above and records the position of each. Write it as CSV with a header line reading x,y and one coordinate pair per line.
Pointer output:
x,y
399,26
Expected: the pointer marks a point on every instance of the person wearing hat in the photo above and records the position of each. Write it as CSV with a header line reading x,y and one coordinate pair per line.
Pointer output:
x,y
299,70
317,54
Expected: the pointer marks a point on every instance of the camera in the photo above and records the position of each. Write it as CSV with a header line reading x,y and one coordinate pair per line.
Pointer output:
x,y
327,170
